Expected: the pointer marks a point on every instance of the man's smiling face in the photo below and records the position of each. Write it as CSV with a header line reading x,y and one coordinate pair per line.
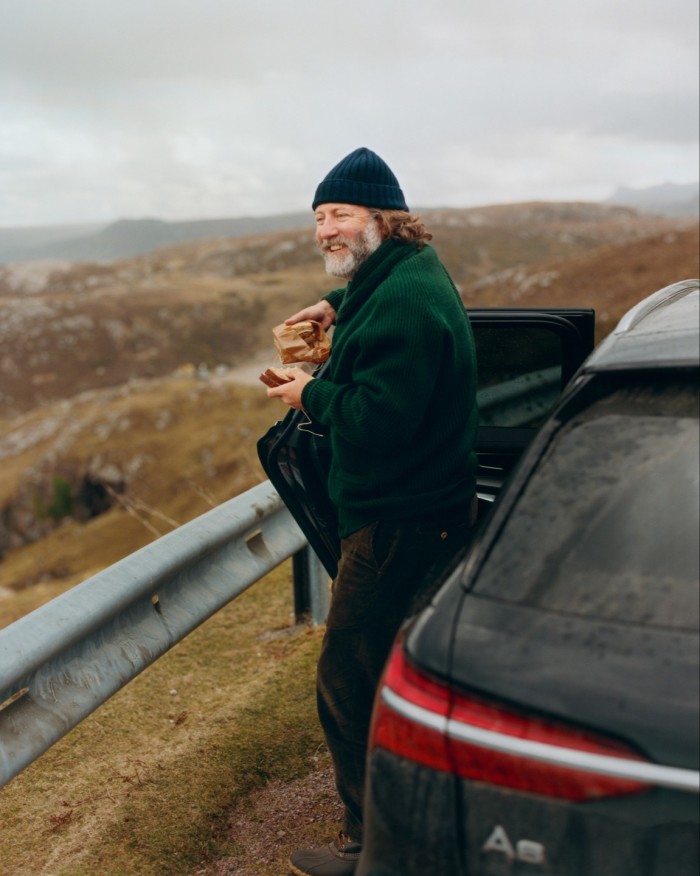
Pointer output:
x,y
347,235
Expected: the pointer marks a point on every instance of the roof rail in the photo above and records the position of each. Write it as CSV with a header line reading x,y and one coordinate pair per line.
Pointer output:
x,y
661,298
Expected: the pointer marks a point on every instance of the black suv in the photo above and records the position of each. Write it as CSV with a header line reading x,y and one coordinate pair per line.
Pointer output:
x,y
541,714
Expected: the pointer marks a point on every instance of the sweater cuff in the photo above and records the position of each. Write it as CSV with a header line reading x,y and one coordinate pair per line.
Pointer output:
x,y
335,298
316,398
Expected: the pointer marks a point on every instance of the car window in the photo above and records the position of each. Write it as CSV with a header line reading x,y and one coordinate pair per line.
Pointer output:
x,y
520,374
608,524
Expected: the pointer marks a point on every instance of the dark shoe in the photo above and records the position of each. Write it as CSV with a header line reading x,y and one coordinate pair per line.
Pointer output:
x,y
338,858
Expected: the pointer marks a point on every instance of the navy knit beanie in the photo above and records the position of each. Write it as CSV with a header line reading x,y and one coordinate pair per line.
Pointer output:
x,y
362,178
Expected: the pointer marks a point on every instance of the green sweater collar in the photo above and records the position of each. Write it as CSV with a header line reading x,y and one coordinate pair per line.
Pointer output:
x,y
371,273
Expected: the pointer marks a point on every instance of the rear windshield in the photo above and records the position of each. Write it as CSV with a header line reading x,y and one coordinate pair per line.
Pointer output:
x,y
608,524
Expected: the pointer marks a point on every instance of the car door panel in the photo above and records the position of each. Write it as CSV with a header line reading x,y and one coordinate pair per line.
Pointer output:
x,y
525,357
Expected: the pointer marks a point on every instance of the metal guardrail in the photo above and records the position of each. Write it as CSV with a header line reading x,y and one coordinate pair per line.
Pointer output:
x,y
62,661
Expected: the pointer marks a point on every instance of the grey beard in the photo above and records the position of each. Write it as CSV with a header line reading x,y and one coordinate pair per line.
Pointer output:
x,y
345,266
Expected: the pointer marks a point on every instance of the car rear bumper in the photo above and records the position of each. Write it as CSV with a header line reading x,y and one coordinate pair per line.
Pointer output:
x,y
420,821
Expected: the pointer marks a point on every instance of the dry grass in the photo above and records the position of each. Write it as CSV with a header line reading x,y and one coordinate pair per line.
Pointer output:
x,y
144,785
266,826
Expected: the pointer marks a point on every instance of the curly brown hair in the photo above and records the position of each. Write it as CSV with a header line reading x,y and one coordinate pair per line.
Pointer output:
x,y
403,226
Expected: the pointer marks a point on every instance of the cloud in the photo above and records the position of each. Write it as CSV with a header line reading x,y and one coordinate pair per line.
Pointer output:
x,y
117,108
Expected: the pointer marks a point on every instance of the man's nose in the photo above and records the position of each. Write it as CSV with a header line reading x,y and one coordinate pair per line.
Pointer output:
x,y
327,229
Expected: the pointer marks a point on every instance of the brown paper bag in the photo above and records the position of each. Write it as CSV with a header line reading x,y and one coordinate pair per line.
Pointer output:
x,y
302,342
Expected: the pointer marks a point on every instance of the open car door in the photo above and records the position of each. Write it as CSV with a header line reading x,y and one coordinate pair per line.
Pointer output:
x,y
525,357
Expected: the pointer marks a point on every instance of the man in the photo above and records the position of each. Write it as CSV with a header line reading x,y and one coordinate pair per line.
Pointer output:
x,y
399,403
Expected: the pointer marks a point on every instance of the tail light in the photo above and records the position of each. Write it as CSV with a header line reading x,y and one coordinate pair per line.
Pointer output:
x,y
422,719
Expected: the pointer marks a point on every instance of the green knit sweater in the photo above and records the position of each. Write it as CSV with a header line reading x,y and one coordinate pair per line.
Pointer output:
x,y
400,397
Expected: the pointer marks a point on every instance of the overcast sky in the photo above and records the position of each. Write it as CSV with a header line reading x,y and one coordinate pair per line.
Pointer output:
x,y
185,109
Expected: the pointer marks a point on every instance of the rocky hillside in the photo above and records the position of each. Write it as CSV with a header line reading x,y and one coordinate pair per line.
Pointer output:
x,y
120,411
89,480
67,328
611,278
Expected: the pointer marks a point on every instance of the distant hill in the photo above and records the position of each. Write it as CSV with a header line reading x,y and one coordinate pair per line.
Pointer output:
x,y
127,238
669,199
68,327
16,243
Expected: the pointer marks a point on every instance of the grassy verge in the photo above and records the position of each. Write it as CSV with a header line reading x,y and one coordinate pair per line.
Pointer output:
x,y
144,785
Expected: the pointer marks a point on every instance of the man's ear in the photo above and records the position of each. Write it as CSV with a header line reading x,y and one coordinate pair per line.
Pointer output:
x,y
382,225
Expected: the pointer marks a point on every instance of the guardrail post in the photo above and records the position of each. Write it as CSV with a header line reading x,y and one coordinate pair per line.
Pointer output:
x,y
311,596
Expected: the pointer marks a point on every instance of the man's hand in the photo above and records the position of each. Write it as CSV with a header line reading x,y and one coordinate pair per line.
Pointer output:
x,y
322,313
290,393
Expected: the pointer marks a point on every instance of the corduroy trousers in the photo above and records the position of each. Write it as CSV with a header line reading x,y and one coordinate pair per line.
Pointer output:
x,y
386,570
